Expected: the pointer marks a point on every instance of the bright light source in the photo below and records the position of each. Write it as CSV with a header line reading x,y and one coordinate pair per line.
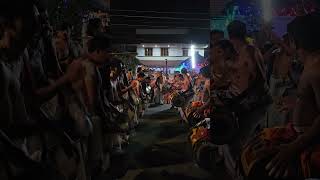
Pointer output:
x,y
193,59
267,10
143,45
168,45
156,46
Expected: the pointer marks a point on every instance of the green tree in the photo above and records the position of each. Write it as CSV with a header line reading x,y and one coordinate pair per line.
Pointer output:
x,y
129,59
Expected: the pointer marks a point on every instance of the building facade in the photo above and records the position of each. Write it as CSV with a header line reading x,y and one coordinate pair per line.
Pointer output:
x,y
160,56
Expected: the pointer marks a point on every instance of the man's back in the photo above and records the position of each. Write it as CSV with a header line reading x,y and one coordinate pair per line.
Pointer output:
x,y
307,106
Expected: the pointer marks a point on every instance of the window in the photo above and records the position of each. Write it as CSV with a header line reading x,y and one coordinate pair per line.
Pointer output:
x,y
164,52
148,52
185,52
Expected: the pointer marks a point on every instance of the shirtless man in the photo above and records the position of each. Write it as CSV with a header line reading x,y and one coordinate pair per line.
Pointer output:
x,y
136,84
136,87
224,55
281,65
205,73
280,79
88,88
306,118
186,80
248,64
17,25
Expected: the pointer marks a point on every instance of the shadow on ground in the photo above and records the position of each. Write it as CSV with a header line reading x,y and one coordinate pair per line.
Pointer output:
x,y
160,150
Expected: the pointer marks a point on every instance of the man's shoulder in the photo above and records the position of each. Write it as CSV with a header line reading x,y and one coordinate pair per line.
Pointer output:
x,y
310,76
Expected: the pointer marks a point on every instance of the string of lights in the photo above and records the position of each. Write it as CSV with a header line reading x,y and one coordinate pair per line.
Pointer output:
x,y
163,17
159,12
151,26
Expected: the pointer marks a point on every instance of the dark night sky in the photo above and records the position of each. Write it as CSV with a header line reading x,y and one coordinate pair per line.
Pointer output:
x,y
196,9
162,5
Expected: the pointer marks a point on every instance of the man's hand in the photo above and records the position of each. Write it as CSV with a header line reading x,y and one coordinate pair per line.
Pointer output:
x,y
278,167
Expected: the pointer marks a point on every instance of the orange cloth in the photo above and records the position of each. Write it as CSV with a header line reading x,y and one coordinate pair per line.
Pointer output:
x,y
309,160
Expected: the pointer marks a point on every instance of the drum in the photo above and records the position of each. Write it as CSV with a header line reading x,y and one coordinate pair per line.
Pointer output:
x,y
197,104
166,88
198,133
135,98
258,171
224,127
207,155
255,158
191,116
177,99
204,153
148,89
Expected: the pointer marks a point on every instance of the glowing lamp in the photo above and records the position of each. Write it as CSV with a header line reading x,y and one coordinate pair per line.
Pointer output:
x,y
193,59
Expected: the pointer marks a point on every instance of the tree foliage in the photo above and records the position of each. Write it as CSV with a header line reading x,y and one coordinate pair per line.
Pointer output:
x,y
67,11
129,59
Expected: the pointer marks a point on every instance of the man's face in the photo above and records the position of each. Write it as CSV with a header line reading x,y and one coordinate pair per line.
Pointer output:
x,y
217,53
217,37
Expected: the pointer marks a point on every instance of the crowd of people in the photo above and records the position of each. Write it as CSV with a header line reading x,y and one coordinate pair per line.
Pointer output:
x,y
68,107
264,121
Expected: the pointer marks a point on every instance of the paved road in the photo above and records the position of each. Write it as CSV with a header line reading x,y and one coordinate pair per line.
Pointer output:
x,y
160,151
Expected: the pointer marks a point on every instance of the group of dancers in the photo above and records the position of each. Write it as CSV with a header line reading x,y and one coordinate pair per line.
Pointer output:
x,y
263,118
68,107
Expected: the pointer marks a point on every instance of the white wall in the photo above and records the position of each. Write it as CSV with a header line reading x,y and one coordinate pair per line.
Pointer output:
x,y
174,51
156,52
200,51
162,58
140,52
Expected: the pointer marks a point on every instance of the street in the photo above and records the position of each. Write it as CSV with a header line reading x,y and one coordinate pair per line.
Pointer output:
x,y
160,150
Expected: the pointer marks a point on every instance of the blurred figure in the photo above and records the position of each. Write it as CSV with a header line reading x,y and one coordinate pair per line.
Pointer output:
x,y
216,35
158,89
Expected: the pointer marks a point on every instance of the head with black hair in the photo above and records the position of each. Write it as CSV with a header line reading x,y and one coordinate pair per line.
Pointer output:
x,y
99,49
17,22
139,69
184,71
94,27
115,68
237,30
140,76
147,79
305,32
205,72
216,35
180,77
224,50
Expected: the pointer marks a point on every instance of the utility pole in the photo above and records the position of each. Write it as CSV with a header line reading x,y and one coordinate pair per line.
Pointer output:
x,y
166,66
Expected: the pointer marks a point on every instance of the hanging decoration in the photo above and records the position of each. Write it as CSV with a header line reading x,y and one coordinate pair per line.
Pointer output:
x,y
294,10
248,12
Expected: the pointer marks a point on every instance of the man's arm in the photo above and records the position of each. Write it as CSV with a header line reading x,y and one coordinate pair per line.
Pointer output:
x,y
308,137
126,89
51,90
89,80
134,85
75,71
